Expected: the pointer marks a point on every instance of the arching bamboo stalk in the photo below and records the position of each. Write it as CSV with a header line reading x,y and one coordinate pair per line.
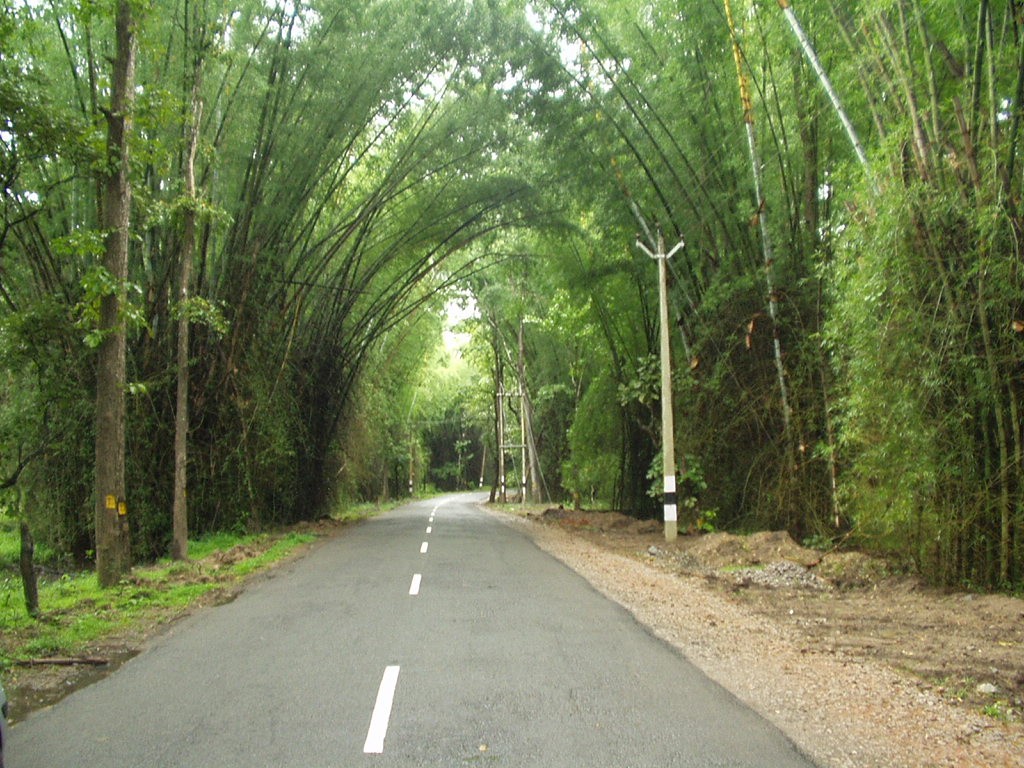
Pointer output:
x,y
762,216
826,83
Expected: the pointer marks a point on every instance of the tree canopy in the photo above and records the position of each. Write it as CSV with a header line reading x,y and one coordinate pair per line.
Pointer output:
x,y
309,187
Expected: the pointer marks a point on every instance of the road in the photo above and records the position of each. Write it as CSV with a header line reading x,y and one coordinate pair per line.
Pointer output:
x,y
434,635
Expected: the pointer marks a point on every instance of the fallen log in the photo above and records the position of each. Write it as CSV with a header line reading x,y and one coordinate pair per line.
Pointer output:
x,y
62,661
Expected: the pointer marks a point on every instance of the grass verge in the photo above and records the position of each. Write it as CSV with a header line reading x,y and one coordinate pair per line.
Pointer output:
x,y
81,624
76,612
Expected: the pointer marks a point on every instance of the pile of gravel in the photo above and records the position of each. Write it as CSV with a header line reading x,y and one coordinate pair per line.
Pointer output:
x,y
781,575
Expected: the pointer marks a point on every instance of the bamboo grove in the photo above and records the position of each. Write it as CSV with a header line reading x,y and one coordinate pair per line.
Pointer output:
x,y
303,187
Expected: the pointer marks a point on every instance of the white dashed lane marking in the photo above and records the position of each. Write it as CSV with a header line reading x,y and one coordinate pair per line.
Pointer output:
x,y
381,716
381,712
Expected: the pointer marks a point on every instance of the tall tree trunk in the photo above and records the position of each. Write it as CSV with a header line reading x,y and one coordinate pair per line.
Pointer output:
x,y
113,542
533,462
826,83
897,45
1018,113
28,571
499,420
502,480
179,543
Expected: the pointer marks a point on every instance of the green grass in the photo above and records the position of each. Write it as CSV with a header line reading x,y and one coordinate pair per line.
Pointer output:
x,y
216,542
76,612
278,550
1001,710
738,568
10,545
354,512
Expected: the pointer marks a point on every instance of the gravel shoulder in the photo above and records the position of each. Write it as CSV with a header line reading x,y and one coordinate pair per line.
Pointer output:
x,y
859,668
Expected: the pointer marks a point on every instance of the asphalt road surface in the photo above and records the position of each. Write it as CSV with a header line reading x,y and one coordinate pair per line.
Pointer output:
x,y
434,635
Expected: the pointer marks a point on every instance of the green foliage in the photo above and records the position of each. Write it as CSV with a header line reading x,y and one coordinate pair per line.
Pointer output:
x,y
201,311
97,284
448,414
690,488
591,471
10,548
355,169
892,376
919,412
1002,711
77,612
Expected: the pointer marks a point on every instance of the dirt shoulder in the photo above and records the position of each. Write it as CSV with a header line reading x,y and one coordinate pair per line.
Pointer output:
x,y
859,667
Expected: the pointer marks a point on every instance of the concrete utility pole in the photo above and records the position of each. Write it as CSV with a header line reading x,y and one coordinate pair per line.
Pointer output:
x,y
668,432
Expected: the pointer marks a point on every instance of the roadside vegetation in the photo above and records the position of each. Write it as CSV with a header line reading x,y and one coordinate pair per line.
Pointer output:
x,y
77,616
234,236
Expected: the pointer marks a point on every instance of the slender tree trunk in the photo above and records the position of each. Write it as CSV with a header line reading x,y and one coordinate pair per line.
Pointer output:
x,y
531,447
864,74
826,83
28,571
179,543
499,421
500,406
1017,430
933,88
977,72
412,464
1002,470
113,550
893,43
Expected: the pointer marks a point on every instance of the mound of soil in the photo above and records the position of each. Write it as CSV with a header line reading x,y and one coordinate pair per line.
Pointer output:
x,y
726,550
233,556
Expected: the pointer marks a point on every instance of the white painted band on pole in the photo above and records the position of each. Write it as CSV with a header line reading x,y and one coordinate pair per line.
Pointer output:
x,y
381,712
670,499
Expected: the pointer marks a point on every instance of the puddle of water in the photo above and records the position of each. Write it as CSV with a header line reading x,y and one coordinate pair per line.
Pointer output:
x,y
41,689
